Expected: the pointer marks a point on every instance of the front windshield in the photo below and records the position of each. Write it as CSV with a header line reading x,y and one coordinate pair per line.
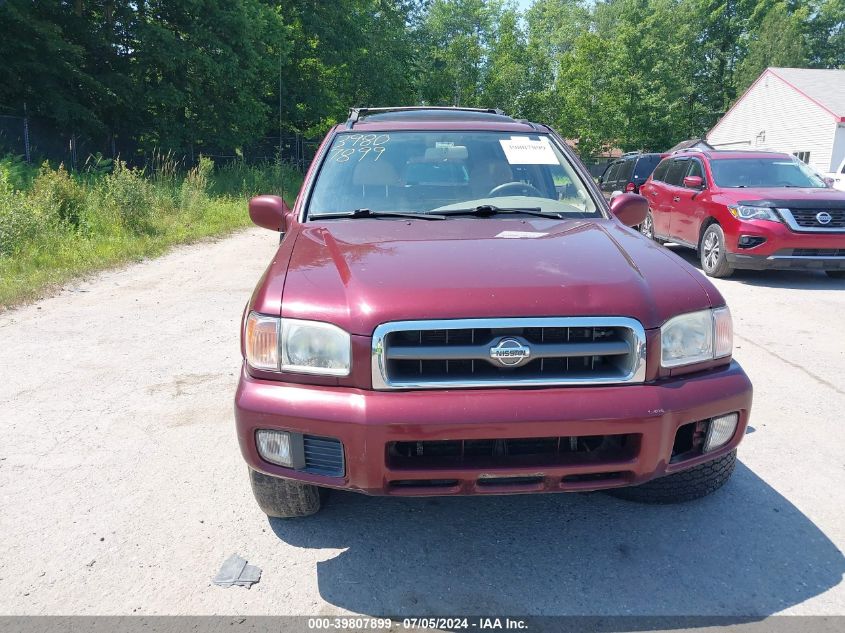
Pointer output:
x,y
763,172
421,172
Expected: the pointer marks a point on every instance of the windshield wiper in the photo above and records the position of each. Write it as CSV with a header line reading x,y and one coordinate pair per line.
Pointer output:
x,y
368,213
486,210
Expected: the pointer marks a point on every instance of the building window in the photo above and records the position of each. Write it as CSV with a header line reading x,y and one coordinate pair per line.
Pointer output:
x,y
804,157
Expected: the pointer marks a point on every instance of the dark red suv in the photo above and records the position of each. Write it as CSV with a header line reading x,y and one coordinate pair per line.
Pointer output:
x,y
455,309
753,210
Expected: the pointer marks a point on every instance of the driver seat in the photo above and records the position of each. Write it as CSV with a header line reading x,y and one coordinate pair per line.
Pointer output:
x,y
488,174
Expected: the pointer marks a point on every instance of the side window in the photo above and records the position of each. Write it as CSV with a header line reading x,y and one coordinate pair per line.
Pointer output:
x,y
677,171
626,171
611,173
645,165
695,169
662,168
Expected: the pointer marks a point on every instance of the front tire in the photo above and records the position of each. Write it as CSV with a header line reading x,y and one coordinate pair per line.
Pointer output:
x,y
284,498
711,250
835,274
686,485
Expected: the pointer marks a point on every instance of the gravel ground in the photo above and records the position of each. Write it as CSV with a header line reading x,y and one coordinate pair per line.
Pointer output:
x,y
122,488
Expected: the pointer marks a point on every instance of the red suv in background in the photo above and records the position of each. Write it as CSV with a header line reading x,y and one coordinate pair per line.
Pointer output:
x,y
750,210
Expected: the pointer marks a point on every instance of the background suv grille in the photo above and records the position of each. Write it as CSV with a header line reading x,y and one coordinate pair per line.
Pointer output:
x,y
806,218
460,353
818,252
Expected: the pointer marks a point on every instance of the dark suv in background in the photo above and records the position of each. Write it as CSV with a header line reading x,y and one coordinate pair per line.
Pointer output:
x,y
627,174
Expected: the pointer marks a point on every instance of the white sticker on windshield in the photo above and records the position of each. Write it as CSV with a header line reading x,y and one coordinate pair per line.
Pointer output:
x,y
515,235
521,150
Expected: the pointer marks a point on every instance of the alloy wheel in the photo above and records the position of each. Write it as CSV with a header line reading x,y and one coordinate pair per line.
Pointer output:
x,y
712,250
647,227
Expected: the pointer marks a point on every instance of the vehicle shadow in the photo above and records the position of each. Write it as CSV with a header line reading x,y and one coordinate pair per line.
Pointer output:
x,y
788,279
743,552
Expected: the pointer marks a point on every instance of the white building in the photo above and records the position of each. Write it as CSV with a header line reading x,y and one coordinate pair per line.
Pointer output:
x,y
796,110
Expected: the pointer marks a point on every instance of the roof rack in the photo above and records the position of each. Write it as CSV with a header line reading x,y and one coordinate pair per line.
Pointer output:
x,y
694,150
356,113
530,124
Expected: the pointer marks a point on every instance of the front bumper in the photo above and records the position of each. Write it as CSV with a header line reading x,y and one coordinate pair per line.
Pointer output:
x,y
366,421
783,248
788,260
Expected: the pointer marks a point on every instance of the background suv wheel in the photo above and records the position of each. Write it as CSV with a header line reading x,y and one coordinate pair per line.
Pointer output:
x,y
647,228
712,252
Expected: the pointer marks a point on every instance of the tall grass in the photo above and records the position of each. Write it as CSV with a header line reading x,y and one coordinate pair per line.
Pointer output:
x,y
55,225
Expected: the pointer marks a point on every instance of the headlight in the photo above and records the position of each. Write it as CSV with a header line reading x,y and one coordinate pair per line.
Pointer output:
x,y
305,347
696,337
312,347
744,212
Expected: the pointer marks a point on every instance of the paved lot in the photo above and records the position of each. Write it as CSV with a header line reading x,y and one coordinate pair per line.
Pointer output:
x,y
122,489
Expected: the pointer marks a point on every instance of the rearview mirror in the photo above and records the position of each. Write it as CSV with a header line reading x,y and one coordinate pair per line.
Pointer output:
x,y
693,182
269,212
629,208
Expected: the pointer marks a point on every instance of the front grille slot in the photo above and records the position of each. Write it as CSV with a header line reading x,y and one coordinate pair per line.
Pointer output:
x,y
818,252
323,456
491,482
594,477
508,352
511,452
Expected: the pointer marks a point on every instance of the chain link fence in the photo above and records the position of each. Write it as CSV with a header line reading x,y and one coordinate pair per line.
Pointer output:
x,y
37,140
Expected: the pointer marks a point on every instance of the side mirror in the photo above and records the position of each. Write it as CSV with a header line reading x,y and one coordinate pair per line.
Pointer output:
x,y
693,182
269,212
630,208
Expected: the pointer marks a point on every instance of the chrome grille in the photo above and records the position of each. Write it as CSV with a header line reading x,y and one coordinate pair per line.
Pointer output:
x,y
508,352
806,220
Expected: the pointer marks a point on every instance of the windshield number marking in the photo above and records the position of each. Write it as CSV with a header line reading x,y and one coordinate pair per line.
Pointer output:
x,y
345,154
361,140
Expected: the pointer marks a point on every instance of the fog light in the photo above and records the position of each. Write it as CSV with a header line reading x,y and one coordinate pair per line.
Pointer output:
x,y
720,431
275,447
750,241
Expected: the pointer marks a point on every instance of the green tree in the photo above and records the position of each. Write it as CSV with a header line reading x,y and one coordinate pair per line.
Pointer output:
x,y
458,34
826,33
505,80
777,40
44,68
587,95
203,69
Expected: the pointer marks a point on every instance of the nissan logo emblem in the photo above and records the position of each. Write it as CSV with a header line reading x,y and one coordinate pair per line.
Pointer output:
x,y
510,352
823,217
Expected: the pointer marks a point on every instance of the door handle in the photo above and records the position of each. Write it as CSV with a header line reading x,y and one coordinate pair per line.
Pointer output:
x,y
676,199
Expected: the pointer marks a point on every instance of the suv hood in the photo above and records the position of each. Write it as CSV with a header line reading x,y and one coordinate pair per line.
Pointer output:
x,y
784,197
364,272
